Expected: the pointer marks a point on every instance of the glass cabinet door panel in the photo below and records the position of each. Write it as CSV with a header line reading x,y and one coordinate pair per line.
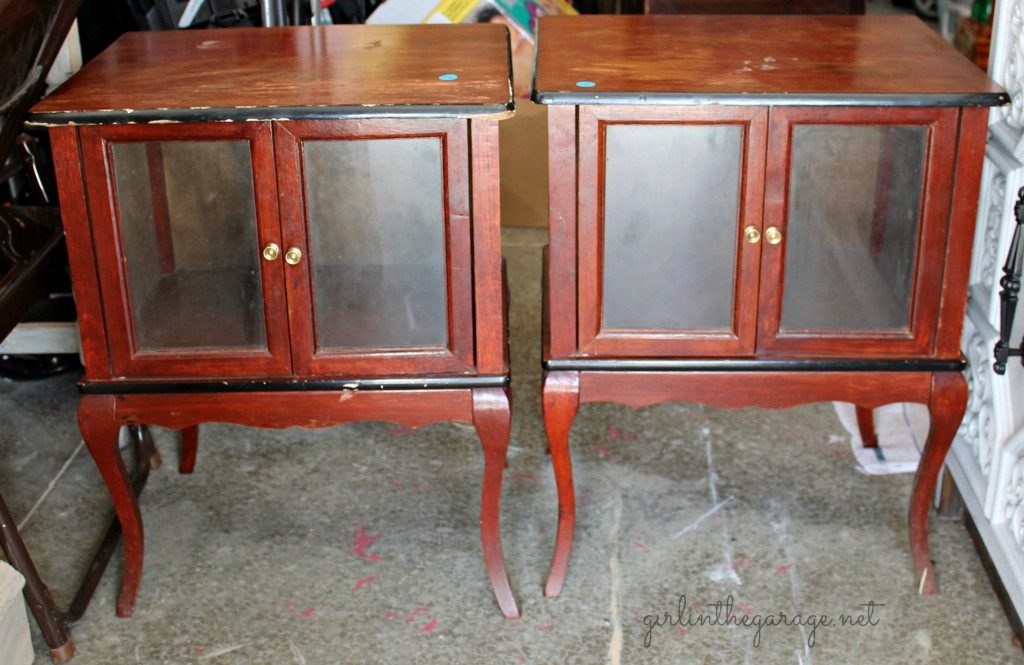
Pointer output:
x,y
853,219
188,231
671,206
376,224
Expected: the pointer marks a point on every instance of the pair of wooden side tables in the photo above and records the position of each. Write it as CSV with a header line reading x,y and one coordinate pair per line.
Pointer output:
x,y
300,227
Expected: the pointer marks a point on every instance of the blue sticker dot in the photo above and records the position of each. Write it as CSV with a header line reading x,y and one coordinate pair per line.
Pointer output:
x,y
585,84
448,77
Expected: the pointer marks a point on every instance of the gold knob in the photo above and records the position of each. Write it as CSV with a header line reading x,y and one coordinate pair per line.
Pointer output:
x,y
293,256
773,235
752,234
271,251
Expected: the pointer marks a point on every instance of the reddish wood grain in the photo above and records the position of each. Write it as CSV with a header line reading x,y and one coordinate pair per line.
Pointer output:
x,y
927,277
307,357
313,409
126,358
560,398
489,300
189,449
964,202
750,55
492,417
78,236
593,338
323,66
560,273
754,6
99,426
947,406
866,425
762,389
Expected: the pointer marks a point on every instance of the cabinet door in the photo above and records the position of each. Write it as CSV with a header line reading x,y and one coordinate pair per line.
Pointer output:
x,y
379,211
180,214
667,197
860,200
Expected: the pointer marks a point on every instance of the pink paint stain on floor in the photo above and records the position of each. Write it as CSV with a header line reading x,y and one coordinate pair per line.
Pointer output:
x,y
361,541
292,607
603,452
782,570
523,476
416,612
363,582
429,627
638,544
616,434
742,563
698,607
746,608
545,627
400,431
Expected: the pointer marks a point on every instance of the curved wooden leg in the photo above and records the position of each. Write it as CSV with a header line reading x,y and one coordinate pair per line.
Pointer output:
x,y
947,404
98,424
561,399
492,418
866,425
189,448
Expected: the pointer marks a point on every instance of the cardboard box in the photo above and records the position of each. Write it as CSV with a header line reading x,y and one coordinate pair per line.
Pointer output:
x,y
15,640
524,141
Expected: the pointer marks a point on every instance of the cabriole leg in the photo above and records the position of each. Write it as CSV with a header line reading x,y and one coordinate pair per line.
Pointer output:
x,y
98,424
561,398
492,417
947,405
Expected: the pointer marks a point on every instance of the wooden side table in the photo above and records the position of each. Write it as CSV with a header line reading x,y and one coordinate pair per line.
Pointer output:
x,y
288,227
758,211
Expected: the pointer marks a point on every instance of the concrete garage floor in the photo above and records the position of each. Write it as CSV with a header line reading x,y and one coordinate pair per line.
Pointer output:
x,y
360,544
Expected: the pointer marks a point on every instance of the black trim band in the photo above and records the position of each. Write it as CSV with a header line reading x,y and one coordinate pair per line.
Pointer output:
x,y
773,99
178,387
263,113
751,365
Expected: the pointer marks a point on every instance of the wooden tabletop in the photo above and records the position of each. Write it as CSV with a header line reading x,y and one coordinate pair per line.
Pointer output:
x,y
849,60
296,72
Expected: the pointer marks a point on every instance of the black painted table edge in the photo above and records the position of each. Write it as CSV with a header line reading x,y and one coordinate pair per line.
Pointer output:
x,y
253,386
752,365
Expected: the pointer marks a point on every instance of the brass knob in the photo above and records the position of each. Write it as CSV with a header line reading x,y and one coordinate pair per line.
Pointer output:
x,y
271,251
773,235
293,256
752,234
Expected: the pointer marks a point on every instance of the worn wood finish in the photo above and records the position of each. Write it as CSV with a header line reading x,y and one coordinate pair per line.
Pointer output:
x,y
690,59
863,71
963,201
126,359
561,266
594,338
98,423
101,416
78,236
189,449
271,90
307,357
561,397
866,425
492,417
947,406
754,7
945,394
927,277
487,270
372,69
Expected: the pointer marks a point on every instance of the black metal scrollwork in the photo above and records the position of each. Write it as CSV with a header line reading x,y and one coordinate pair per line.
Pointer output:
x,y
1008,296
